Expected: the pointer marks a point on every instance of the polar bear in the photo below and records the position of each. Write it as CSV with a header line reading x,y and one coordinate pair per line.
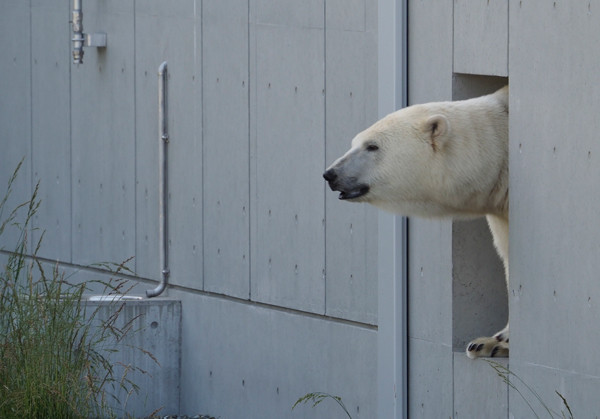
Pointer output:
x,y
442,159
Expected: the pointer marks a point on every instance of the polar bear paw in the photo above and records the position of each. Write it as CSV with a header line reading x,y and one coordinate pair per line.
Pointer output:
x,y
487,347
495,346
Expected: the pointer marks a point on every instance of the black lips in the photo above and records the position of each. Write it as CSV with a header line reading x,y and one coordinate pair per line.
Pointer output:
x,y
348,189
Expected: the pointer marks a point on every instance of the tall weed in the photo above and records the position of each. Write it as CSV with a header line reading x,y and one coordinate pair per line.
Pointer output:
x,y
53,348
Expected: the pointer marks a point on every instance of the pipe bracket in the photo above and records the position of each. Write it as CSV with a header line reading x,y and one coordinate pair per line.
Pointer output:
x,y
97,40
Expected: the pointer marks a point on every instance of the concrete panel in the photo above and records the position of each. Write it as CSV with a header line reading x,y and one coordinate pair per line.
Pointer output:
x,y
246,360
430,282
290,13
430,357
479,392
481,37
429,318
50,125
226,129
579,389
289,231
554,302
165,31
346,15
351,236
15,102
554,190
430,379
103,139
154,328
429,74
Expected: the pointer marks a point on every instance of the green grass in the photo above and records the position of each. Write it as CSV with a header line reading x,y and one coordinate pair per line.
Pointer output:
x,y
53,349
526,392
317,398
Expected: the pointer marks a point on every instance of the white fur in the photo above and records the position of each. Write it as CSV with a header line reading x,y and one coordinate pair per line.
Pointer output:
x,y
432,160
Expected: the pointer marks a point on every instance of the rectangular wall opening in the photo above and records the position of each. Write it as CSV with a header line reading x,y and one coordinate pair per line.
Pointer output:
x,y
479,295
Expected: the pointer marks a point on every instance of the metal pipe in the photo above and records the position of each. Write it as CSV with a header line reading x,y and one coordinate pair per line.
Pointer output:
x,y
78,37
81,39
163,190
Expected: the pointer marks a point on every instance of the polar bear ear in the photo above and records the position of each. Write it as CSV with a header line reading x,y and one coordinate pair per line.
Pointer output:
x,y
436,128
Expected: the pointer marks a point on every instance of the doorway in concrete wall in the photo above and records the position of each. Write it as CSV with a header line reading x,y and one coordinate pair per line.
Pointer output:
x,y
479,294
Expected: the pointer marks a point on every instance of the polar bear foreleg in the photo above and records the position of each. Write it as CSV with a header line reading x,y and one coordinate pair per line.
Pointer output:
x,y
497,345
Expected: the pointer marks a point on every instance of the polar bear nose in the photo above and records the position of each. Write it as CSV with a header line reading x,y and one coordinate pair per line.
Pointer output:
x,y
330,175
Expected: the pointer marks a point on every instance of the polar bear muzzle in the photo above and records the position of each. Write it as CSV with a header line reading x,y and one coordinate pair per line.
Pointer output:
x,y
349,187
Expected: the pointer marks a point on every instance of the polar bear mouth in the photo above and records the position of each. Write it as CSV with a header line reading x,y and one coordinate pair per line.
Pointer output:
x,y
354,193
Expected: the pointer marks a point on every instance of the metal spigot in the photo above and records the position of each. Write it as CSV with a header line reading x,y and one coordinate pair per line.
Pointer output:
x,y
81,39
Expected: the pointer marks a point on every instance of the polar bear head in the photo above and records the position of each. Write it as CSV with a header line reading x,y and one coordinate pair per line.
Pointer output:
x,y
434,159
390,164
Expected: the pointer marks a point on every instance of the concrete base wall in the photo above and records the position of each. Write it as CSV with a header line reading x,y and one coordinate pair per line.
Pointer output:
x,y
149,355
247,360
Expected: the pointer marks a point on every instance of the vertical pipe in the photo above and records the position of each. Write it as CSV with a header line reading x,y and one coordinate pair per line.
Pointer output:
x,y
78,37
163,189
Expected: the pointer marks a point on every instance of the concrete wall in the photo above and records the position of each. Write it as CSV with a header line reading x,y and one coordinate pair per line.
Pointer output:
x,y
554,172
455,281
149,355
277,278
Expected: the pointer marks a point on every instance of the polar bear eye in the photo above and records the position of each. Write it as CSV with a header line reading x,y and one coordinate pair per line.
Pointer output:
x,y
372,147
